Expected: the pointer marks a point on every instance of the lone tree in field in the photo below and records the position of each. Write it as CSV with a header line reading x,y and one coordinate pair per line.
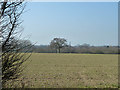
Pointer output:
x,y
58,43
12,46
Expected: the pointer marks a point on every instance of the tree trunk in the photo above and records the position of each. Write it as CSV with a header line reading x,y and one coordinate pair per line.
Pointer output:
x,y
59,50
56,50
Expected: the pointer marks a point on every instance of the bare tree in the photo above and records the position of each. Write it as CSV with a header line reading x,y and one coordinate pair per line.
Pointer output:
x,y
12,58
58,43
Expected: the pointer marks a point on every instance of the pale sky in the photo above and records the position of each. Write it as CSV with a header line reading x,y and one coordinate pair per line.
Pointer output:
x,y
95,23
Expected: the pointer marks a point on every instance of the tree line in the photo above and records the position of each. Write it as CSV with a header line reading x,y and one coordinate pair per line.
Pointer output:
x,y
59,45
77,49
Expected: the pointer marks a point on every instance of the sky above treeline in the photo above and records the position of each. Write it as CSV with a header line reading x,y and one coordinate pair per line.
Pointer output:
x,y
95,23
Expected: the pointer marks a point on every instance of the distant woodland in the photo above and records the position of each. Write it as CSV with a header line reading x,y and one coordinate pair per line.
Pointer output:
x,y
87,49
56,47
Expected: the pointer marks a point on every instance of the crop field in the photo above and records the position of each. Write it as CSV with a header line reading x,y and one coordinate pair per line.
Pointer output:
x,y
50,70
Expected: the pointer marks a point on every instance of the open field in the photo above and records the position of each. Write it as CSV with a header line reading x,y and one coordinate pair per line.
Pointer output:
x,y
71,71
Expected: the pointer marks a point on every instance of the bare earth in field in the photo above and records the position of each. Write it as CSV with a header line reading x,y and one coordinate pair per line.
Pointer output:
x,y
50,70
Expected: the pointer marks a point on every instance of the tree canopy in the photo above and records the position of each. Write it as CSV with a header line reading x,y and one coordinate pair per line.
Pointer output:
x,y
58,43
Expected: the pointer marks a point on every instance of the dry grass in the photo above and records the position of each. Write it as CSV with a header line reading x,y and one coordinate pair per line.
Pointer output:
x,y
71,71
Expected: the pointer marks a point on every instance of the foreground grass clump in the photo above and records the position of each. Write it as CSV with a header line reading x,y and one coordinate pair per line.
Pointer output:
x,y
71,71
